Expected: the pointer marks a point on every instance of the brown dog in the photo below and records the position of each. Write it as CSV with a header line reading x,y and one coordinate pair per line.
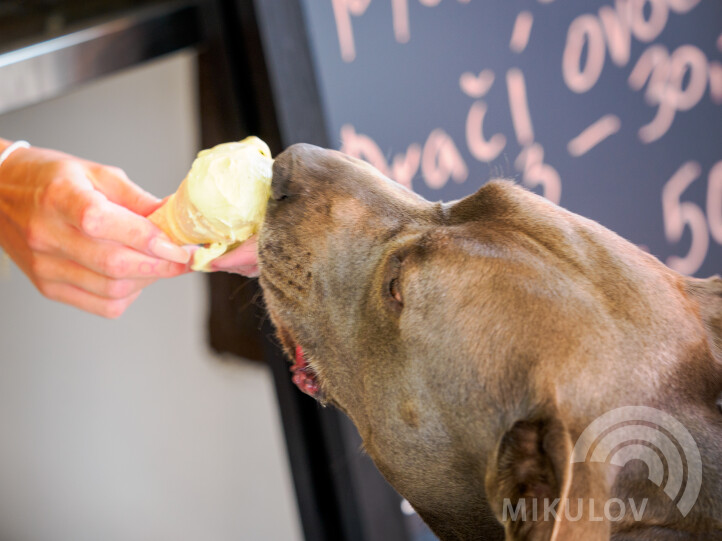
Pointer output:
x,y
473,342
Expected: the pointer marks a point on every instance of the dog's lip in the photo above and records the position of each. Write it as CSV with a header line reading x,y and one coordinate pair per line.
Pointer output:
x,y
304,376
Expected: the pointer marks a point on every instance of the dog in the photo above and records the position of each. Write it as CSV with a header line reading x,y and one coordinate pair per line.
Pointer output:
x,y
473,342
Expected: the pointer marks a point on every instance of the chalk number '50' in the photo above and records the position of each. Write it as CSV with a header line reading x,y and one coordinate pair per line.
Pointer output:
x,y
678,214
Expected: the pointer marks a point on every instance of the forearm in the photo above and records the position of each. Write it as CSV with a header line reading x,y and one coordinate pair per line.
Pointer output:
x,y
8,150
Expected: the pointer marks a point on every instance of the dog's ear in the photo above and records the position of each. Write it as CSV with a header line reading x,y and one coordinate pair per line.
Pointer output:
x,y
536,491
709,295
492,201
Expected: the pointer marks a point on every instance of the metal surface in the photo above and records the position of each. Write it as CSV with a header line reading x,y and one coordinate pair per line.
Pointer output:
x,y
44,70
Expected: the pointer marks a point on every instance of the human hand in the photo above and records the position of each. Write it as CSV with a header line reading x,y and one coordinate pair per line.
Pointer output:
x,y
242,260
78,230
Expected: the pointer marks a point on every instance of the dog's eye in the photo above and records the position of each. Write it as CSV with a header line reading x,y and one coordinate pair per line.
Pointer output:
x,y
395,290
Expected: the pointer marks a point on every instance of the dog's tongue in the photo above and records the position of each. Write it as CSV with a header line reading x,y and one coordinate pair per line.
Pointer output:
x,y
303,376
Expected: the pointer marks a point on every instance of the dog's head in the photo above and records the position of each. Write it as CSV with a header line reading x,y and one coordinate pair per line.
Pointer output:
x,y
465,340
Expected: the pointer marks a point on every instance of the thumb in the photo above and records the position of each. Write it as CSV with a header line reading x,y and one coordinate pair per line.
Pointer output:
x,y
241,260
118,188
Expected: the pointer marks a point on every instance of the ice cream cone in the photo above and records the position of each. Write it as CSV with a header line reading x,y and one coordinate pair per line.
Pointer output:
x,y
182,221
222,200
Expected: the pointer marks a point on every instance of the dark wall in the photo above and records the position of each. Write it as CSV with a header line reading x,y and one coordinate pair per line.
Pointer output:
x,y
440,89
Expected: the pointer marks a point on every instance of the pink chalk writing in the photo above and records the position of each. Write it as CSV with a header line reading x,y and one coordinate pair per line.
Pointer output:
x,y
521,32
714,202
679,214
580,76
594,134
400,10
484,150
672,82
589,37
665,75
520,116
476,86
537,173
405,166
715,82
439,159
363,147
342,10
612,28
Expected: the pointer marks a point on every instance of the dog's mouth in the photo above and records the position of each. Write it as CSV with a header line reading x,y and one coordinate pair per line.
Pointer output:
x,y
304,376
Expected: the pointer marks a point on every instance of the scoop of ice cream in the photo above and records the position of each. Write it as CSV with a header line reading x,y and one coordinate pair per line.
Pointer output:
x,y
222,201
230,185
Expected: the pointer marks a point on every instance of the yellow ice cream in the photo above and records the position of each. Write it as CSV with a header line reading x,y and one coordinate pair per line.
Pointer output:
x,y
222,200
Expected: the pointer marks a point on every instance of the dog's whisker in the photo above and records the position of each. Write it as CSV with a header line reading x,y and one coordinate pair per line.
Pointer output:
x,y
240,288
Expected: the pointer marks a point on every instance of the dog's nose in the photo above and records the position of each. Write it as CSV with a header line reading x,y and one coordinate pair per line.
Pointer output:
x,y
288,169
281,180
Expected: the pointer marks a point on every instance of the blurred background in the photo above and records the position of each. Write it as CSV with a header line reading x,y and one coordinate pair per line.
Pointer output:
x,y
179,420
132,429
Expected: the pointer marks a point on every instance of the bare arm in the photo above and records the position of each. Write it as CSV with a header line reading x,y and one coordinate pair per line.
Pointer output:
x,y
78,230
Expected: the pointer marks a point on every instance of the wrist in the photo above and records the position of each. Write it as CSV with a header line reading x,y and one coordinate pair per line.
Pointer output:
x,y
12,148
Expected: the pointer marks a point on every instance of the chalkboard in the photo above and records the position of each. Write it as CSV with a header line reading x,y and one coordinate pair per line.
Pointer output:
x,y
613,109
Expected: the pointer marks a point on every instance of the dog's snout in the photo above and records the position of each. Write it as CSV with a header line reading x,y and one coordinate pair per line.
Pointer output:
x,y
291,169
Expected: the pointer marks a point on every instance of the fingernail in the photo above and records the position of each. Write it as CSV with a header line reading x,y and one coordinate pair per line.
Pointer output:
x,y
167,250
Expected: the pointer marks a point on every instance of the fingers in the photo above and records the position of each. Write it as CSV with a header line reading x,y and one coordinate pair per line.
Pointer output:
x,y
107,221
98,218
68,294
48,268
242,260
117,187
84,239
112,259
